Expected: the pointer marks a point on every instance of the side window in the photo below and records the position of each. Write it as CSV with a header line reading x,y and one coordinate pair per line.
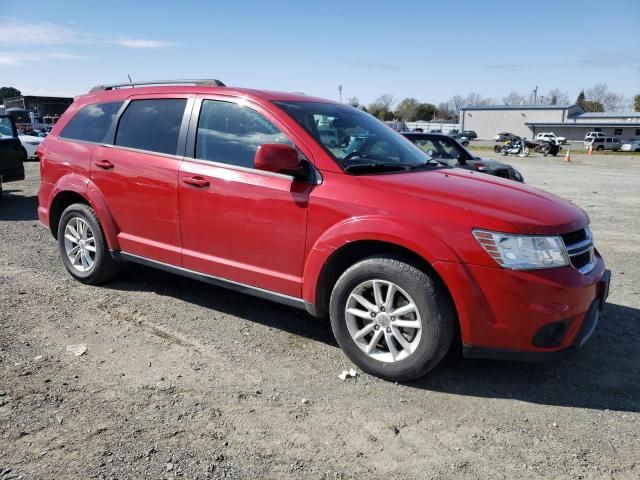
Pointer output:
x,y
6,128
91,123
152,125
230,133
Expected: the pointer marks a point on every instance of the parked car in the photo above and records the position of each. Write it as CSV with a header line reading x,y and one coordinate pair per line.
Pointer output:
x,y
630,146
447,149
504,137
603,143
460,138
591,135
237,188
551,136
30,143
11,152
470,134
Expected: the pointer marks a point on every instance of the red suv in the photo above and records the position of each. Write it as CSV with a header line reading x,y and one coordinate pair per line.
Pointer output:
x,y
238,188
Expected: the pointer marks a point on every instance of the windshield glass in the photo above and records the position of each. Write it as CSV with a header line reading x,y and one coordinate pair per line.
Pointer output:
x,y
355,139
445,149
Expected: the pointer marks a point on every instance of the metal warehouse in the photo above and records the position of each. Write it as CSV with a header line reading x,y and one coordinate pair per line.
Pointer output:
x,y
568,121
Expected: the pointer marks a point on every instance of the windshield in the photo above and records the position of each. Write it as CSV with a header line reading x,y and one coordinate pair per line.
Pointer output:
x,y
445,149
357,141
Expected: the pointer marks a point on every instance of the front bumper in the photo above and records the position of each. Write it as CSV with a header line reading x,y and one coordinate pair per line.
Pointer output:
x,y
503,313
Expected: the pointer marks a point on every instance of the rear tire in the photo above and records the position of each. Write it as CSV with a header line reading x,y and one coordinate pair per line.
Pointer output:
x,y
403,346
83,248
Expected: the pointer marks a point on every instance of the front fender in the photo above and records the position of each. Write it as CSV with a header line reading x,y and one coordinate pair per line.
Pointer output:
x,y
373,228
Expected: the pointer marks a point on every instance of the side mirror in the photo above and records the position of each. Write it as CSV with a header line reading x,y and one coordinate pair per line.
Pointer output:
x,y
277,158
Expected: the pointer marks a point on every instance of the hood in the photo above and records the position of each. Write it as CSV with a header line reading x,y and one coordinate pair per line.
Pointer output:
x,y
528,209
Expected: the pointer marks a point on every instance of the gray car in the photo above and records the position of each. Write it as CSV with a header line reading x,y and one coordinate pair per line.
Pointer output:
x,y
603,143
446,149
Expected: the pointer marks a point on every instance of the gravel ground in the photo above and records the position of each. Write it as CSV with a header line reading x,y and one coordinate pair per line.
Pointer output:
x,y
182,379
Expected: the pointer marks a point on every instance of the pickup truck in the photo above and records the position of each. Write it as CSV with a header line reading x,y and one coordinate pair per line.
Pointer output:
x,y
551,136
12,154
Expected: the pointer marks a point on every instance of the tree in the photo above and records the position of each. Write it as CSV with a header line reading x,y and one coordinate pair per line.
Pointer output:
x,y
609,100
443,112
386,101
636,103
381,108
557,97
514,98
406,109
8,92
456,103
425,112
475,99
353,101
590,106
581,99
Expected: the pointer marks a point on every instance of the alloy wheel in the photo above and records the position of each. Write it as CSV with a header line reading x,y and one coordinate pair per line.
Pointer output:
x,y
383,320
80,244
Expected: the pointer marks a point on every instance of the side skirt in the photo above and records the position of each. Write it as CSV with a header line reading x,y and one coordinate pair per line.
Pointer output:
x,y
218,282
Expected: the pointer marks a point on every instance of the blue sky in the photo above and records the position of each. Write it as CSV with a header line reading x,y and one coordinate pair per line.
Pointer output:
x,y
427,50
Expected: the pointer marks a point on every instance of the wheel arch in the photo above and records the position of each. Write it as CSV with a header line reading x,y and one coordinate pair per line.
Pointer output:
x,y
352,252
79,190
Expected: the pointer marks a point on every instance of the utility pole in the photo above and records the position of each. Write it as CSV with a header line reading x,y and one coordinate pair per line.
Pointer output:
x,y
535,95
541,99
340,92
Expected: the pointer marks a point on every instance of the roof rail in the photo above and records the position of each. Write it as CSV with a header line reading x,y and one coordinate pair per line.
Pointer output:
x,y
201,81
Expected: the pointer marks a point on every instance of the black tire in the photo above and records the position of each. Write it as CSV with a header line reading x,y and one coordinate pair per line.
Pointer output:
x,y
104,267
497,148
433,304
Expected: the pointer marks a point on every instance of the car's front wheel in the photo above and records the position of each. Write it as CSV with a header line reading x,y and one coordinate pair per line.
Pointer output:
x,y
83,247
391,318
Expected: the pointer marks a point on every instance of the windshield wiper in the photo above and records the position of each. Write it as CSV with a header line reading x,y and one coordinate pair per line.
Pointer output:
x,y
430,164
374,167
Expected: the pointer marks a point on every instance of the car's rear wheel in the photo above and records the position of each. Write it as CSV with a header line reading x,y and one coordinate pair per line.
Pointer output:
x,y
83,247
391,318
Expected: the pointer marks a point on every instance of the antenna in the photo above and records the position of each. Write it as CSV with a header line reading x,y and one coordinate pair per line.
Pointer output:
x,y
340,92
535,95
130,81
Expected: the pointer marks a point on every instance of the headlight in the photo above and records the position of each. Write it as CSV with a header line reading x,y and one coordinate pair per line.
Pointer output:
x,y
523,252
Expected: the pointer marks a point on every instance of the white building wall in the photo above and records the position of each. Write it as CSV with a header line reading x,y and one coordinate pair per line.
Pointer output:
x,y
488,123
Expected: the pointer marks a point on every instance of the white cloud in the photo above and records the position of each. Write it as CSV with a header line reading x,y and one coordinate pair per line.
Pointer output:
x,y
20,58
140,43
42,33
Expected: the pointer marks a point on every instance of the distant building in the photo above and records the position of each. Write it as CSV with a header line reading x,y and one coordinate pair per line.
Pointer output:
x,y
41,109
568,121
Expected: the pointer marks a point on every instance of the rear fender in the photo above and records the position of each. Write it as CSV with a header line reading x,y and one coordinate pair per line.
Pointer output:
x,y
86,189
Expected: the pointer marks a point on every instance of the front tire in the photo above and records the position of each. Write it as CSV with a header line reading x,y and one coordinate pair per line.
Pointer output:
x,y
391,319
83,248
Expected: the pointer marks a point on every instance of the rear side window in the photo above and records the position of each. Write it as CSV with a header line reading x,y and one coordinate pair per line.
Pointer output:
x,y
230,133
92,122
152,125
6,128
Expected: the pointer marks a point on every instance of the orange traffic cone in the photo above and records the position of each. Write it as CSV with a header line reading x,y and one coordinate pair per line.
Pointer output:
x,y
590,149
567,157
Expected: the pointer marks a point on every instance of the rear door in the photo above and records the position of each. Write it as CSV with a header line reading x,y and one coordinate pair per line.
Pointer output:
x,y
138,174
11,153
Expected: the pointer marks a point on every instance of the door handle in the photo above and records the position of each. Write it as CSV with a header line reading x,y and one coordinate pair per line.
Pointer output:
x,y
106,164
196,181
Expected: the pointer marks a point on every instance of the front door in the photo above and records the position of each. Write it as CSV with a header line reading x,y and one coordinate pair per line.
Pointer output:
x,y
239,223
138,176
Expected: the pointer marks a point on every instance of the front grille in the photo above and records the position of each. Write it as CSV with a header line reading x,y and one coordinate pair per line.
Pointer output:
x,y
579,245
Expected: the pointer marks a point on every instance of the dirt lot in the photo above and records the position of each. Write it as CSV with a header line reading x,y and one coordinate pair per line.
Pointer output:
x,y
184,379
